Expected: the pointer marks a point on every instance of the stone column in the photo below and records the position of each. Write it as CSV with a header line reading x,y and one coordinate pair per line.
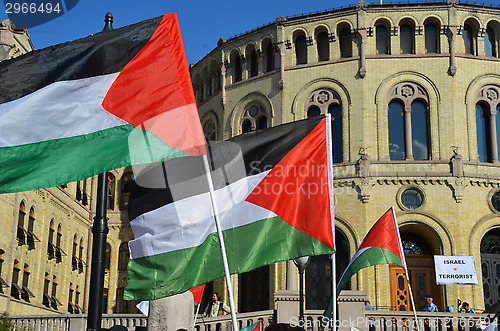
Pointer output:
x,y
291,276
172,313
282,48
451,33
287,306
408,138
493,137
223,83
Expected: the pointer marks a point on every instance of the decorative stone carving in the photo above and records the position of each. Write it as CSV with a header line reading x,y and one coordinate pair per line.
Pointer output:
x,y
362,5
407,92
210,131
489,94
323,99
280,19
256,115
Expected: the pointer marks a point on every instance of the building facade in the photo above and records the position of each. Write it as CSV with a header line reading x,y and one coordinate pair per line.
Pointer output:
x,y
414,94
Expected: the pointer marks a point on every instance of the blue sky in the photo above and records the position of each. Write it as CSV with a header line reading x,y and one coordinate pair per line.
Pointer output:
x,y
202,22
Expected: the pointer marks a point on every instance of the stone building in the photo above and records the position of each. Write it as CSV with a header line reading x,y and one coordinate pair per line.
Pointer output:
x,y
414,93
45,250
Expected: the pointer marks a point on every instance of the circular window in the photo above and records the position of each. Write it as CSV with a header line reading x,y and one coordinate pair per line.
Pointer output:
x,y
411,198
495,201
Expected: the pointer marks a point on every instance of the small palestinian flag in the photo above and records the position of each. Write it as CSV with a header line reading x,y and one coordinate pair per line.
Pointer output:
x,y
198,293
382,245
257,326
113,99
274,193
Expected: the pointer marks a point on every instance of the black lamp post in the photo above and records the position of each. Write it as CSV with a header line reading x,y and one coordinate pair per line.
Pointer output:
x,y
301,264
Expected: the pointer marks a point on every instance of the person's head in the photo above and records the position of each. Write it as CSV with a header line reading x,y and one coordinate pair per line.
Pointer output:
x,y
429,300
216,297
367,302
466,305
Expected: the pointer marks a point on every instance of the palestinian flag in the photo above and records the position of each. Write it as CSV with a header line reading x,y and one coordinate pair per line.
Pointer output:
x,y
257,326
198,293
113,99
274,193
382,245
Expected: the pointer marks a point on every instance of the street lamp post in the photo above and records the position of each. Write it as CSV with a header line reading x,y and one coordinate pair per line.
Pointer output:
x,y
301,264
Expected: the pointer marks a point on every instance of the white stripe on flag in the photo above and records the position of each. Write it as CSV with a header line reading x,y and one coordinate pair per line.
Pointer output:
x,y
59,110
188,222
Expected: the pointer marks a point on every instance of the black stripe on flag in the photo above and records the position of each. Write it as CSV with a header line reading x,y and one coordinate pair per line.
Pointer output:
x,y
100,54
244,155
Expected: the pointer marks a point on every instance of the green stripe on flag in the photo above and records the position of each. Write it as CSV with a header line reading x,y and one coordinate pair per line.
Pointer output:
x,y
250,246
60,161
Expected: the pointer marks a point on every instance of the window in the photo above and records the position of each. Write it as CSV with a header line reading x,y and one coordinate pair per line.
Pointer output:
x,y
469,37
431,34
491,39
323,45
268,48
254,118
382,38
253,62
407,37
54,302
111,191
125,196
46,297
26,293
236,65
2,281
71,305
51,248
408,123
324,101
495,201
21,233
104,300
81,263
300,42
77,301
74,256
210,131
30,235
123,306
488,123
345,41
59,250
15,289
123,257
107,258
411,198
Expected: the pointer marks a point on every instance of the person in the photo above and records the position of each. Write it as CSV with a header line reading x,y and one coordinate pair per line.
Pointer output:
x,y
371,320
215,307
459,302
431,306
467,309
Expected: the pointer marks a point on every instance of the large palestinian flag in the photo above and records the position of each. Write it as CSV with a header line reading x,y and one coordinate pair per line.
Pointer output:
x,y
274,193
113,99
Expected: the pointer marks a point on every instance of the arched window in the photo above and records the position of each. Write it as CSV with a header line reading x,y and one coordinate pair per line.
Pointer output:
x,y
30,234
210,131
107,258
254,118
27,294
323,45
490,267
345,41
46,297
300,43
324,101
216,74
268,48
408,123
431,34
491,39
51,248
21,233
123,257
407,37
15,289
59,250
382,38
469,37
81,263
125,196
74,254
236,66
111,191
253,63
488,123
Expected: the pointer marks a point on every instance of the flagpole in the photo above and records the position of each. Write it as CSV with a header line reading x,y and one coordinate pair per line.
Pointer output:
x,y
221,242
99,233
411,298
196,315
334,290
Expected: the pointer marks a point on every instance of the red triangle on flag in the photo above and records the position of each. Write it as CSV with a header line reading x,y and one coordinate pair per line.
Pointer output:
x,y
198,293
297,188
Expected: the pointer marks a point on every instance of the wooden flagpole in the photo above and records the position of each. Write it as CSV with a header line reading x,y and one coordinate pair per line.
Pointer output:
x,y
221,242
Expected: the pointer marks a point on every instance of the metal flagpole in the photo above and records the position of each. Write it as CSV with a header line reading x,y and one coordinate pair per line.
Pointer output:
x,y
411,298
334,290
99,232
196,315
221,242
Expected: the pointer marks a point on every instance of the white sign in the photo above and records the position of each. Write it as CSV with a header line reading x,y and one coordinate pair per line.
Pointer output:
x,y
455,270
